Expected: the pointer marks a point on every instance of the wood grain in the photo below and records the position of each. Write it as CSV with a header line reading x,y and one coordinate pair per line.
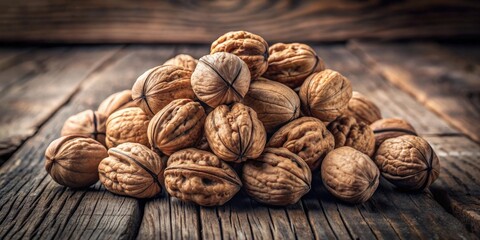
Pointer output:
x,y
186,21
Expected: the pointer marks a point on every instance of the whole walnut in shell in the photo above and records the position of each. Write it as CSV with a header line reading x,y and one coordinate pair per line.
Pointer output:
x,y
274,103
132,169
183,60
127,125
408,162
235,133
160,85
348,132
72,161
277,177
390,128
116,101
325,95
350,175
87,124
251,48
362,109
292,63
177,126
201,177
221,78
307,137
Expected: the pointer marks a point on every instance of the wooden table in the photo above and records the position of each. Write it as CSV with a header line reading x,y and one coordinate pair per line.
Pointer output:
x,y
434,86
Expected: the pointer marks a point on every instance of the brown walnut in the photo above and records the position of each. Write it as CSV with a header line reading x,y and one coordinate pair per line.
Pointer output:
x,y
350,175
408,162
361,108
72,161
274,103
235,133
183,60
160,85
251,48
87,124
201,177
127,125
116,101
390,128
131,169
177,126
277,177
325,95
221,78
202,144
292,63
348,132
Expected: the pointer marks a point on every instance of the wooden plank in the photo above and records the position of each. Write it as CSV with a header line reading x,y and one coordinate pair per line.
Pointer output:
x,y
33,206
9,56
192,22
432,76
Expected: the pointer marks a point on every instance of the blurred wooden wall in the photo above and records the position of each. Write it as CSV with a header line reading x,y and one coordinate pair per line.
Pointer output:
x,y
192,21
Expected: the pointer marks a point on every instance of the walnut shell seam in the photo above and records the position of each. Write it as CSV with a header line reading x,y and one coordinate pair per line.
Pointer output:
x,y
229,85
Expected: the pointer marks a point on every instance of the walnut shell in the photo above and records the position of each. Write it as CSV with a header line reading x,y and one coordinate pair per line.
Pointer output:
x,y
116,101
160,85
350,175
325,95
87,124
292,63
127,125
361,108
221,78
202,144
177,126
183,60
307,137
386,128
277,177
201,177
274,103
408,162
348,132
235,133
251,48
132,169
72,161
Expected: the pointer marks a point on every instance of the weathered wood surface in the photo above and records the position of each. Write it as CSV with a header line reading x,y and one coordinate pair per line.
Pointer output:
x,y
445,83
185,21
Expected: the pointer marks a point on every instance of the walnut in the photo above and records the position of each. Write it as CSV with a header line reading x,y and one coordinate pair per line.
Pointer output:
x,y
277,177
221,78
116,101
235,133
348,132
390,128
307,137
72,161
202,144
350,175
325,95
408,162
158,86
87,124
201,177
274,103
292,63
127,125
183,60
131,169
178,125
251,48
361,108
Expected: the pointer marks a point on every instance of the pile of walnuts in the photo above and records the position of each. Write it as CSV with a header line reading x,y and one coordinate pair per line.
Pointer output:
x,y
246,116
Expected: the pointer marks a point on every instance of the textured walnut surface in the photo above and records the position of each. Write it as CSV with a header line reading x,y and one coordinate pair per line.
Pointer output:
x,y
127,125
116,101
292,63
183,60
274,103
72,161
348,132
178,125
235,133
307,137
88,124
201,177
277,177
350,175
131,169
408,161
251,48
390,128
362,109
